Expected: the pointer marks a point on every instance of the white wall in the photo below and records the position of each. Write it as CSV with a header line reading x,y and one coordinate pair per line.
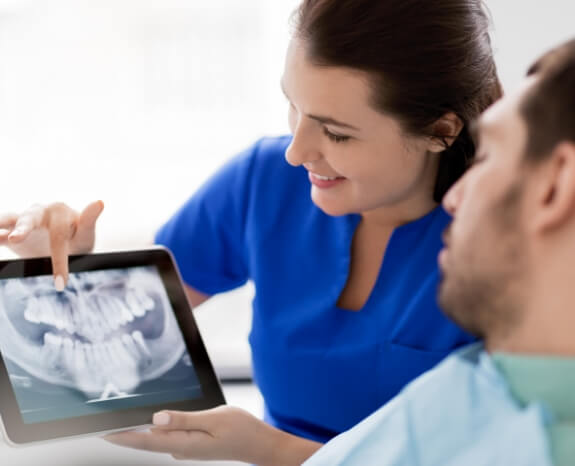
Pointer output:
x,y
132,101
524,29
137,101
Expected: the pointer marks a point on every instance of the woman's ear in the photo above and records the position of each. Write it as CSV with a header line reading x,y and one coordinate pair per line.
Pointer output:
x,y
556,193
444,131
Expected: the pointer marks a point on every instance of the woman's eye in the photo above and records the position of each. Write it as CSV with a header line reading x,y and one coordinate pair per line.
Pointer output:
x,y
335,137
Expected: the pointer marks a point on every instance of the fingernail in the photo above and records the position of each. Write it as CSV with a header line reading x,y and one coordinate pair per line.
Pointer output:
x,y
161,419
59,283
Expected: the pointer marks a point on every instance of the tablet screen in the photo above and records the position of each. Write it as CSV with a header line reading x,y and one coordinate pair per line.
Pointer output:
x,y
109,341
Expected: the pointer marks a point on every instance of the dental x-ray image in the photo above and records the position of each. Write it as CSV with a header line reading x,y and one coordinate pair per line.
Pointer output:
x,y
109,340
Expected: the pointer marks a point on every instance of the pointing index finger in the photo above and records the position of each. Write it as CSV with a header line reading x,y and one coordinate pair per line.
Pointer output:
x,y
61,223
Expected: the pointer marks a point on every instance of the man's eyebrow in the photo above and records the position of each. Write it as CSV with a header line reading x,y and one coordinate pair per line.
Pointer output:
x,y
474,128
323,119
480,128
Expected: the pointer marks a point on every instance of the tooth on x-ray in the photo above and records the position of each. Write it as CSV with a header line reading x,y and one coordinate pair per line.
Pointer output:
x,y
52,350
96,335
110,390
141,343
20,381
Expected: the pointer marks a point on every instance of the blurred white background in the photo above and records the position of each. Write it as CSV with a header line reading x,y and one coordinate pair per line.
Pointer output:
x,y
135,102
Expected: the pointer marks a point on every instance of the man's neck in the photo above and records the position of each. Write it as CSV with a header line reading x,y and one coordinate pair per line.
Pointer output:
x,y
547,322
541,333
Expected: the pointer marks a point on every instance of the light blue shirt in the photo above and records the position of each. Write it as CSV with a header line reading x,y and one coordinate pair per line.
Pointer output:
x,y
460,413
550,380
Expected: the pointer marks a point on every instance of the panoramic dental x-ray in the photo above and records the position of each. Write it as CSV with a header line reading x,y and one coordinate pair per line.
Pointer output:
x,y
109,335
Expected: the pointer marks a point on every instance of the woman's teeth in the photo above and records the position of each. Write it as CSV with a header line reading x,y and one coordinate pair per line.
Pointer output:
x,y
325,178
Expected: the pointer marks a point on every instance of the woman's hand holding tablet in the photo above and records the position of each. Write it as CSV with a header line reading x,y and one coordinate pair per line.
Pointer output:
x,y
223,433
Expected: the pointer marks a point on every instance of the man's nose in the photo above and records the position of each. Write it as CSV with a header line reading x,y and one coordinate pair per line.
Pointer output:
x,y
304,147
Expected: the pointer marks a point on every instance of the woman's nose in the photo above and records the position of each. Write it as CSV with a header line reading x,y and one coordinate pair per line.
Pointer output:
x,y
303,147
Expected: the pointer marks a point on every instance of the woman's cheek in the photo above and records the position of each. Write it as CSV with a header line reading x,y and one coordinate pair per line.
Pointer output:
x,y
292,118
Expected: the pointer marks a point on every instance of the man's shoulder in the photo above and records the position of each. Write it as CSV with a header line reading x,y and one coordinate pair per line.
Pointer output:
x,y
462,402
466,383
460,412
460,364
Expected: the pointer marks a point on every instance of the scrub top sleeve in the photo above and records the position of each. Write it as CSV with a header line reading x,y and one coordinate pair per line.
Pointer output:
x,y
207,234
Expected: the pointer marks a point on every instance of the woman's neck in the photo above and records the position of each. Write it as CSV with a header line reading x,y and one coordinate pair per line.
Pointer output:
x,y
399,214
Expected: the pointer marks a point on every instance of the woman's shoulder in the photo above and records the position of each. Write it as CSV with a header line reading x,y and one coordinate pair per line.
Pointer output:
x,y
269,172
278,194
267,155
261,165
266,149
263,158
272,145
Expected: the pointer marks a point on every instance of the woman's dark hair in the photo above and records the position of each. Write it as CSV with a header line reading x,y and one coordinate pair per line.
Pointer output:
x,y
426,58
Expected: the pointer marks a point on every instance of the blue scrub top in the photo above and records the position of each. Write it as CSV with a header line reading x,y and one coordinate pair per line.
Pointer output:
x,y
321,369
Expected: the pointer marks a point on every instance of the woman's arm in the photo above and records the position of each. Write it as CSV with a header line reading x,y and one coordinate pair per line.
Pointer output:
x,y
195,297
223,433
57,230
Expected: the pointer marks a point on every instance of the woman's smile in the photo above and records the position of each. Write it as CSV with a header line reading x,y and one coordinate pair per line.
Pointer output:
x,y
325,182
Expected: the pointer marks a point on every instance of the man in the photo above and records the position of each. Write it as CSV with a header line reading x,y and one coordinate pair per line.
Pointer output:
x,y
507,277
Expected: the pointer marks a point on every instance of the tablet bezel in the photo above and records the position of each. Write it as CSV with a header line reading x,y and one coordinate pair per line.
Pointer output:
x,y
20,433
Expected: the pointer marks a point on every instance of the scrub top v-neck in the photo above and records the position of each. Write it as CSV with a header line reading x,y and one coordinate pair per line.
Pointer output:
x,y
320,368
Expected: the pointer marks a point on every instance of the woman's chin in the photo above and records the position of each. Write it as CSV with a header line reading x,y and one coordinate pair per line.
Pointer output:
x,y
331,208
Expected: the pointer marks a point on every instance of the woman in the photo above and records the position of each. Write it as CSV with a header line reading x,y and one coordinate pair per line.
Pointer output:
x,y
380,95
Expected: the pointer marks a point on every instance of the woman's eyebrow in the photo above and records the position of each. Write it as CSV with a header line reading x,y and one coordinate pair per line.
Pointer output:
x,y
323,119
333,122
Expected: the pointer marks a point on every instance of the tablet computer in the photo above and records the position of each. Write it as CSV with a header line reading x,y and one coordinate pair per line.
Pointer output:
x,y
116,345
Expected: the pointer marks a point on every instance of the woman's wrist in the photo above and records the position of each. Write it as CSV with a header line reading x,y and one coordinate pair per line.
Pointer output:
x,y
284,449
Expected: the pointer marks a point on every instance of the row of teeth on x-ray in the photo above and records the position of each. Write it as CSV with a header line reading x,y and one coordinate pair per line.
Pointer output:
x,y
124,351
103,313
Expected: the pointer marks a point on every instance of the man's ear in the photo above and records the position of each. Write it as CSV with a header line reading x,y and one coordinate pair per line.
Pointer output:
x,y
445,130
556,190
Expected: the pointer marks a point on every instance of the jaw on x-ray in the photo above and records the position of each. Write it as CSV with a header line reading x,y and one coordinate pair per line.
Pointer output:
x,y
106,333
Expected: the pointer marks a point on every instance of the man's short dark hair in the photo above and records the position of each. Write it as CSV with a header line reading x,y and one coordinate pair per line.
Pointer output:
x,y
549,105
